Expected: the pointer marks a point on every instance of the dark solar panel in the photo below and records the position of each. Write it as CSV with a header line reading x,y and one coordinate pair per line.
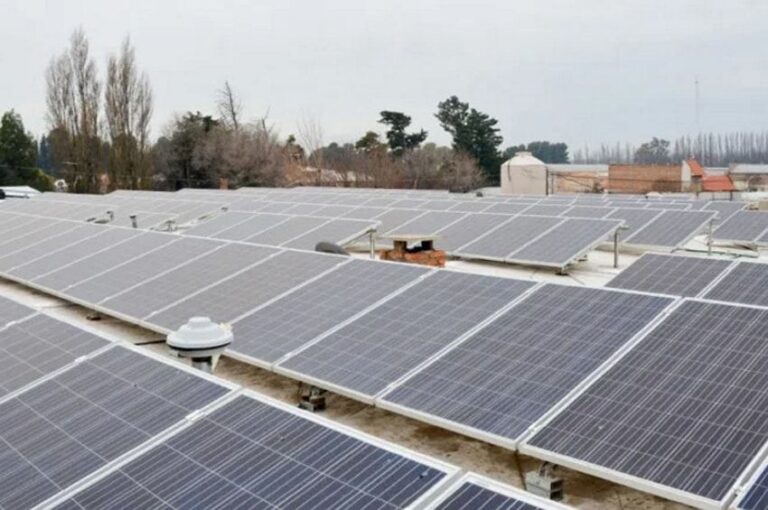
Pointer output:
x,y
384,344
670,274
63,429
290,322
671,229
509,237
249,454
247,290
473,495
684,409
39,346
505,377
756,497
746,283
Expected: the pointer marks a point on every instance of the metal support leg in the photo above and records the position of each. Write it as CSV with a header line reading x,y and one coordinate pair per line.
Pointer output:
x,y
372,243
710,231
616,249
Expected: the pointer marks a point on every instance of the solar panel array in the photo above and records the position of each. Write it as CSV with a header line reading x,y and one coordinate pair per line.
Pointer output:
x,y
746,283
747,227
383,345
252,454
505,377
682,414
670,274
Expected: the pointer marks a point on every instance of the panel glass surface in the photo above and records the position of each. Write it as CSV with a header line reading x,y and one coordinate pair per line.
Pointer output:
x,y
509,374
38,346
671,229
246,291
248,454
63,429
118,278
685,408
384,344
747,283
566,241
292,321
183,281
510,237
669,274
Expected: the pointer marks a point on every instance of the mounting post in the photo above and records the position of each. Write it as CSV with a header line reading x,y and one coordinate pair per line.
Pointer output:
x,y
616,246
710,231
372,243
134,222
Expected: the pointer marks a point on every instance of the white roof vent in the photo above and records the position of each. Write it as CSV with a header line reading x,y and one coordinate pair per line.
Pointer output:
x,y
200,339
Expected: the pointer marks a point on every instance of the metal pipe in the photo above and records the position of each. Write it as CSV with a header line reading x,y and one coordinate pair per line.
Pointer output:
x,y
134,223
372,244
709,236
616,248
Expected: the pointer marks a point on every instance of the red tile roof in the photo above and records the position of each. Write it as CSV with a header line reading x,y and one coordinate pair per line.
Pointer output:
x,y
717,183
696,169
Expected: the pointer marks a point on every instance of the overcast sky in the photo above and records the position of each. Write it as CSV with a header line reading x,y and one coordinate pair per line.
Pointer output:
x,y
579,71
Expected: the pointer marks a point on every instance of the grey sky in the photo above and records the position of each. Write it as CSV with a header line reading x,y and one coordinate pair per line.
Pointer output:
x,y
580,71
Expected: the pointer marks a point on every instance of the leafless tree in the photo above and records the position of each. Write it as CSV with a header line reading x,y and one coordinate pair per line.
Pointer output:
x,y
72,97
128,109
230,107
311,138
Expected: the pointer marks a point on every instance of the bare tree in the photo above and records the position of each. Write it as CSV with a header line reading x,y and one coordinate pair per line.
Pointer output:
x,y
72,98
311,137
230,107
128,109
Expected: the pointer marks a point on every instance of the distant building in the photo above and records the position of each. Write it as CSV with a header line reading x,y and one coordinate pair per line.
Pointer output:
x,y
580,178
749,177
646,178
524,174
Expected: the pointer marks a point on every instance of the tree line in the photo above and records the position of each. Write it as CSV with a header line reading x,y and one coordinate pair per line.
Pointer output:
x,y
98,138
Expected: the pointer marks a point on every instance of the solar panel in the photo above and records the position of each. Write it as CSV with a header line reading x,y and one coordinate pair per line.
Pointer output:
x,y
11,310
290,322
666,206
546,210
671,229
565,242
746,283
396,217
217,224
682,413
473,492
409,203
634,219
427,224
584,211
188,278
79,270
333,211
505,208
756,496
253,454
304,209
467,229
473,207
743,226
509,237
247,290
289,229
61,430
276,207
68,236
503,379
365,213
339,231
254,225
118,278
64,256
39,346
670,274
383,345
34,234
724,209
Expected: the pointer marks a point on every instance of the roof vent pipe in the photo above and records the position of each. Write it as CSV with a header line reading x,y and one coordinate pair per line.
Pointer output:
x,y
111,215
201,340
134,223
